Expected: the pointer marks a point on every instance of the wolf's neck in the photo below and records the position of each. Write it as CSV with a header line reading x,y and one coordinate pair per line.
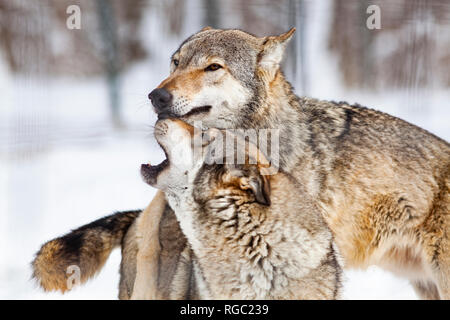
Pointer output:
x,y
281,109
185,210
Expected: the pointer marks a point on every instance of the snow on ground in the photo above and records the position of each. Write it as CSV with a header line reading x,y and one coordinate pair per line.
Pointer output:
x,y
51,194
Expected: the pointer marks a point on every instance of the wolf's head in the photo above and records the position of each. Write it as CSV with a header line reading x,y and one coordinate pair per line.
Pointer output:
x,y
219,77
197,164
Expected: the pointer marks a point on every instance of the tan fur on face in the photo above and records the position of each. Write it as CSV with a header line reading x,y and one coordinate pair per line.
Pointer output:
x,y
190,81
185,126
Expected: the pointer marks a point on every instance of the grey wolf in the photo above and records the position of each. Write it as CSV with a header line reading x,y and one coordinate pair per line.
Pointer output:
x,y
251,236
381,183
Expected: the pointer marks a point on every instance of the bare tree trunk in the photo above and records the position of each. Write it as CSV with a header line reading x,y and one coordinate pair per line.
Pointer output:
x,y
292,54
108,31
212,13
301,43
296,59
366,73
420,77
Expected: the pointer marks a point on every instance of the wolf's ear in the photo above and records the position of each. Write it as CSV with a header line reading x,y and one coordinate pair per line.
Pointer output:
x,y
259,185
206,28
210,135
273,48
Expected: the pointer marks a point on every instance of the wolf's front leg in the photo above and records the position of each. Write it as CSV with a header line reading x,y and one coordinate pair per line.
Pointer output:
x,y
147,237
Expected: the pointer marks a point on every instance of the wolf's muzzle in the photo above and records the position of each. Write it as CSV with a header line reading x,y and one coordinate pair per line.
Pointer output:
x,y
161,99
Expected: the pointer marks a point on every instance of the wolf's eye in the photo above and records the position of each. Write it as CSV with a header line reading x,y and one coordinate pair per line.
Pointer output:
x,y
213,67
176,62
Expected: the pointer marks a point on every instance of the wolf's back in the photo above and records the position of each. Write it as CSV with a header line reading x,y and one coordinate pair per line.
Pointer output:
x,y
87,248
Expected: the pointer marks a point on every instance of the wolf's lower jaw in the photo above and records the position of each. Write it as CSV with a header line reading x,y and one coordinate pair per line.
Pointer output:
x,y
193,111
197,110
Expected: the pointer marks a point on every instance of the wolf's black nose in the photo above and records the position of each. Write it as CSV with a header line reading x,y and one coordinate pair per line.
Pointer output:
x,y
161,99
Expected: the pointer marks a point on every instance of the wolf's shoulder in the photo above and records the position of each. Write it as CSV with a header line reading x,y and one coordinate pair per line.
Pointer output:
x,y
358,118
342,108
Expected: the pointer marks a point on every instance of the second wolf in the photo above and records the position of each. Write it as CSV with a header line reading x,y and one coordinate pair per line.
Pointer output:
x,y
250,237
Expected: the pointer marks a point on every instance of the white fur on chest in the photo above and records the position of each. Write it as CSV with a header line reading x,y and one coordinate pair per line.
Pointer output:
x,y
184,207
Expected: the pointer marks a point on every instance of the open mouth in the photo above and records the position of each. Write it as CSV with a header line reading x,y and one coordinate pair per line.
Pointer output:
x,y
150,173
194,111
198,110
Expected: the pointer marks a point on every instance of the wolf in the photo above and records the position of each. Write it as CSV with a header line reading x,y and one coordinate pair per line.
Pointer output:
x,y
251,237
381,183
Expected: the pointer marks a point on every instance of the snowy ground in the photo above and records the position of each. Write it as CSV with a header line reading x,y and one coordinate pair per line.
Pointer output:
x,y
63,165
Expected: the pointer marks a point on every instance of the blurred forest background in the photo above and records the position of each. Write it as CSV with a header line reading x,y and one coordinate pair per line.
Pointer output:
x,y
75,121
